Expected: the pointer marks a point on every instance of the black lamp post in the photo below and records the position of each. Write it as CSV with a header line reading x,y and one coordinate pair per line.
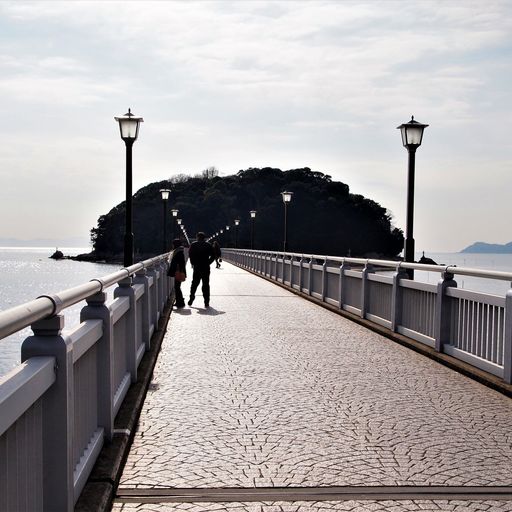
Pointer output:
x,y
174,216
228,241
412,135
129,127
253,216
287,197
237,222
165,197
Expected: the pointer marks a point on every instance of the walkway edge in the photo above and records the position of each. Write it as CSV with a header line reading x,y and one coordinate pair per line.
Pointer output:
x,y
99,492
487,379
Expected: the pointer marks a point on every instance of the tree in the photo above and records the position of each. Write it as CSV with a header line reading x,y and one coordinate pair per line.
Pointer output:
x,y
210,172
323,218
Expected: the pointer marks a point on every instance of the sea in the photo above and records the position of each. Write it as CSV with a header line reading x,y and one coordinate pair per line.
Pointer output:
x,y
28,272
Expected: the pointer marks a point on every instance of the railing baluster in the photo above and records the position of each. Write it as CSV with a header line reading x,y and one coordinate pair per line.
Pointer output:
x,y
57,435
507,349
96,309
443,311
125,290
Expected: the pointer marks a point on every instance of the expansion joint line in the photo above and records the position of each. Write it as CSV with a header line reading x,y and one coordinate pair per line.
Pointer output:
x,y
261,494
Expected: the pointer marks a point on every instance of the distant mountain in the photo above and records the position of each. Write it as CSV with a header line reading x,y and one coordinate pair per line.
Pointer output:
x,y
483,247
45,242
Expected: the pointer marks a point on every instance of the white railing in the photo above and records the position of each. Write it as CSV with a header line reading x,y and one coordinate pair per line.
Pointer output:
x,y
471,326
59,405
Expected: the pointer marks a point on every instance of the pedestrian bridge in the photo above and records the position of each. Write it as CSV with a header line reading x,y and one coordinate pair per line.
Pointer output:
x,y
269,402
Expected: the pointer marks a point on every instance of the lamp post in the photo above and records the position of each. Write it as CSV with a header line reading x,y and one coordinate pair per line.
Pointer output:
x,y
287,197
129,127
412,135
253,216
165,197
237,222
174,215
227,235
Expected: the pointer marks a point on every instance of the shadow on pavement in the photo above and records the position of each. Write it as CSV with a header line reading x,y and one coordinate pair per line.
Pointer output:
x,y
210,311
182,311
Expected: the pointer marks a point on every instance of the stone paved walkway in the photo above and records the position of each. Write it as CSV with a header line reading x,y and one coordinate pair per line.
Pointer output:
x,y
266,389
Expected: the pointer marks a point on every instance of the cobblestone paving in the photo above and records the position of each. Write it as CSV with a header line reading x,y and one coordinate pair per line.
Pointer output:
x,y
267,389
345,506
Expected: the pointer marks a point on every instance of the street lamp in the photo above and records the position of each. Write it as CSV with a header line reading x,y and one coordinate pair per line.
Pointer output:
x,y
412,135
287,197
129,127
174,213
253,216
165,197
237,222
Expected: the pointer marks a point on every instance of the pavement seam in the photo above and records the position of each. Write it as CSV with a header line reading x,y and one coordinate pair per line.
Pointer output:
x,y
292,494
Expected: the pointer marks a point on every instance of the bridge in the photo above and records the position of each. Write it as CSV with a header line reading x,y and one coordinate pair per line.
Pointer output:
x,y
266,400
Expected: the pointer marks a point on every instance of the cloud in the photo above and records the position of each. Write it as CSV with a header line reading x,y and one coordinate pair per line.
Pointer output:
x,y
284,83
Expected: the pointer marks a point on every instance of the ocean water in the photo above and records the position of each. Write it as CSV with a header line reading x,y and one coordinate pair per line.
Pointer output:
x,y
500,262
28,272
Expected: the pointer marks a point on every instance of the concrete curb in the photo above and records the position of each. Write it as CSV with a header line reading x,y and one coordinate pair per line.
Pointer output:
x,y
466,369
100,490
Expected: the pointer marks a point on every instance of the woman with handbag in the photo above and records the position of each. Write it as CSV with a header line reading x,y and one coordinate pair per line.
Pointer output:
x,y
177,269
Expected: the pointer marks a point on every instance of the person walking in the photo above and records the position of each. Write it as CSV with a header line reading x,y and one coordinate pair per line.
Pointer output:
x,y
217,253
177,269
201,257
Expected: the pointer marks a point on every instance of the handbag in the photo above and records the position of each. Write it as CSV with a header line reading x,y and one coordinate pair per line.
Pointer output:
x,y
180,276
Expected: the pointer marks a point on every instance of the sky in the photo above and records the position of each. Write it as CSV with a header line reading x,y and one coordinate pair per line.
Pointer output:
x,y
239,84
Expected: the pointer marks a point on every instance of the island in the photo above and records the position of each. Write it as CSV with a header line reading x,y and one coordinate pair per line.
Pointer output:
x,y
485,248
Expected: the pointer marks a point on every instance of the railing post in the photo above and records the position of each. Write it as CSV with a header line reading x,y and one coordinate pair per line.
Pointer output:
x,y
507,341
324,280
443,311
291,272
365,288
125,289
396,298
58,411
300,272
282,273
310,276
163,277
341,277
97,310
142,278
153,297
166,282
341,292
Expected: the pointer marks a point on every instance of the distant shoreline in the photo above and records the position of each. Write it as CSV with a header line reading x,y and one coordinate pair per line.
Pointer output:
x,y
486,248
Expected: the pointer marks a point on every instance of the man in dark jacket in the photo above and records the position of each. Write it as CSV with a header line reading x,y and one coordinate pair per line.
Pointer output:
x,y
201,257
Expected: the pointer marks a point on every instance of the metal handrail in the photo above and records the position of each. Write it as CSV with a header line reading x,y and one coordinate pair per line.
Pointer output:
x,y
19,317
451,269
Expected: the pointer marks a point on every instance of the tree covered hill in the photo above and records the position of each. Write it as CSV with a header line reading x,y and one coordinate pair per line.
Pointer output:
x,y
323,217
